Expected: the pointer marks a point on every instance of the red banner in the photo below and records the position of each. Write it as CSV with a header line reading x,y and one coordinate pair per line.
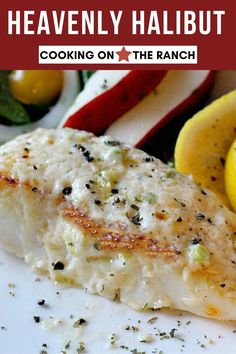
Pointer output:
x,y
91,34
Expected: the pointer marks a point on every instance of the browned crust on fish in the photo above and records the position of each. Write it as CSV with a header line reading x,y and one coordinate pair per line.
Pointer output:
x,y
8,180
115,237
107,236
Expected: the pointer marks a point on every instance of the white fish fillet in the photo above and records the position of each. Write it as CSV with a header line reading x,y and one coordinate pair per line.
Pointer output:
x,y
97,214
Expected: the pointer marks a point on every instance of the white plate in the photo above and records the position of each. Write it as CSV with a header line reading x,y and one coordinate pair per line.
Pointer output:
x,y
20,334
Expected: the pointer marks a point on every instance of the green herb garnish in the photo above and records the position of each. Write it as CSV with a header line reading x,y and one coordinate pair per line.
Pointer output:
x,y
198,253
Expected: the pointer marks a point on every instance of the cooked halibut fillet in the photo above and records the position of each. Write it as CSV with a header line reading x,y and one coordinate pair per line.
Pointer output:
x,y
97,214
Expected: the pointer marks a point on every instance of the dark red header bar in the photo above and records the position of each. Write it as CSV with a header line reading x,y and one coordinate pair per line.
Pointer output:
x,y
93,34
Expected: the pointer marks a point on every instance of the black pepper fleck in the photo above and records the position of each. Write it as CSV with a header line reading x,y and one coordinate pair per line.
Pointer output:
x,y
84,151
41,302
104,85
114,191
172,332
58,265
148,159
97,202
80,322
87,156
200,216
67,190
195,241
36,319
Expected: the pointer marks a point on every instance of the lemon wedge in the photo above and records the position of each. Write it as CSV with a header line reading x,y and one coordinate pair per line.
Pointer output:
x,y
230,175
204,141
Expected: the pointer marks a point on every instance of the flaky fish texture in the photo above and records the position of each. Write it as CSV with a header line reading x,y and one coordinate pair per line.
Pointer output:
x,y
98,214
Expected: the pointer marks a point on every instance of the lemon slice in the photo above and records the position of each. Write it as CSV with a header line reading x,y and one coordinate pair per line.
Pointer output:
x,y
230,175
204,141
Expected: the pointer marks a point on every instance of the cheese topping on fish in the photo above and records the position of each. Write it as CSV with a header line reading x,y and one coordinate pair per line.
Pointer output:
x,y
95,213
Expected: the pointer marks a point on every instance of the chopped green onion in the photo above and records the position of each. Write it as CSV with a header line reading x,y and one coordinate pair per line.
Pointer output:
x,y
198,253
